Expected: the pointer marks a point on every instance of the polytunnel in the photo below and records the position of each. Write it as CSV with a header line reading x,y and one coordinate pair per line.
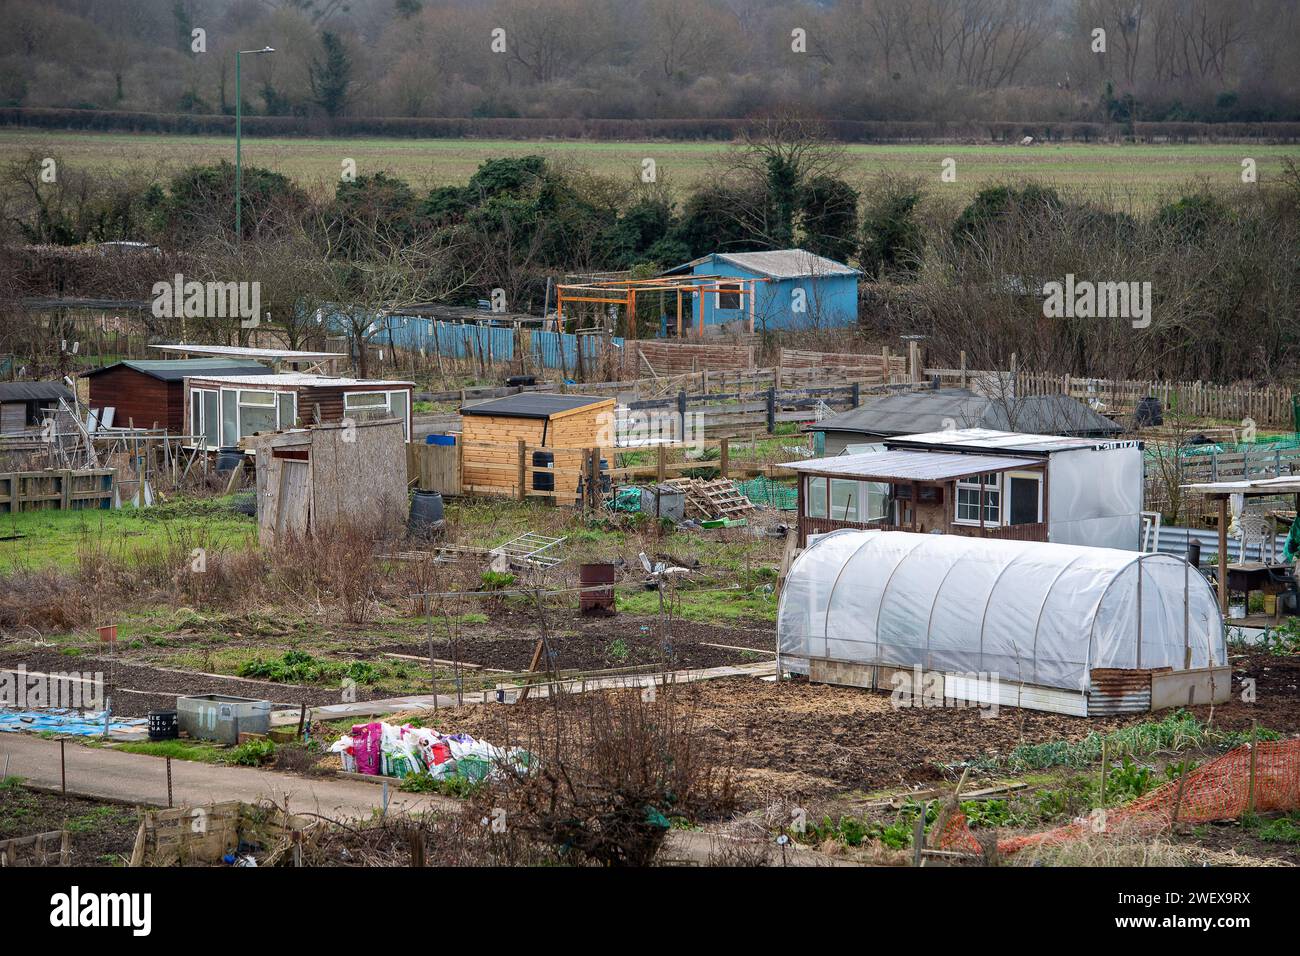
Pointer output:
x,y
1033,612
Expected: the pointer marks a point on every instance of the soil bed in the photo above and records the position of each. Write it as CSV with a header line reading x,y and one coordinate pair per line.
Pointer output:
x,y
102,833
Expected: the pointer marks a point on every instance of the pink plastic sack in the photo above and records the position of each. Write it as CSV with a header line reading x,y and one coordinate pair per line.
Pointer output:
x,y
366,741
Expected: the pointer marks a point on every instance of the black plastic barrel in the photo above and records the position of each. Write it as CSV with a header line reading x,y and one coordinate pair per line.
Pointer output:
x,y
229,458
1149,412
163,725
514,381
544,477
426,513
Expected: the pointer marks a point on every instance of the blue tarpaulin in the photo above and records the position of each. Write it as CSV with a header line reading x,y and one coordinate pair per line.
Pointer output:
x,y
62,721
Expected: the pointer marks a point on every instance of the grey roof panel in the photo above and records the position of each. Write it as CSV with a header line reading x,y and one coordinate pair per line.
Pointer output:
x,y
173,370
787,264
909,413
909,465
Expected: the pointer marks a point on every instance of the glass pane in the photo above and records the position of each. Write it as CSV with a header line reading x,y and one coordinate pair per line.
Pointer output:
x,y
254,419
397,401
846,497
196,412
1024,500
288,410
365,400
256,398
211,419
229,417
817,497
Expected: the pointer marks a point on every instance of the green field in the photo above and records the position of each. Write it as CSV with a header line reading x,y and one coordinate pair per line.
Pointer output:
x,y
1134,176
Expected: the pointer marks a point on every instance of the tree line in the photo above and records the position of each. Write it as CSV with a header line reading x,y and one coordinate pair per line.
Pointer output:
x,y
1118,61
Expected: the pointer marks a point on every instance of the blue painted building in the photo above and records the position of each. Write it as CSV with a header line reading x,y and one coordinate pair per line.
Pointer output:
x,y
791,289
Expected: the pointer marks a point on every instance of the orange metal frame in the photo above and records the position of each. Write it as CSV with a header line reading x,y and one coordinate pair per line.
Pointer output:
x,y
624,292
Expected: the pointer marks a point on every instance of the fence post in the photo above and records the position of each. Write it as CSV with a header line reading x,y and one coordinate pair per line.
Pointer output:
x,y
681,411
724,456
856,396
661,465
771,411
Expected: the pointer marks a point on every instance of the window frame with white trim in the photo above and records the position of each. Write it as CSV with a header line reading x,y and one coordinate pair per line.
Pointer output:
x,y
386,406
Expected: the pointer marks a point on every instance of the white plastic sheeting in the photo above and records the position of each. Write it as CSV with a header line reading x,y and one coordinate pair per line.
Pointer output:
x,y
1027,611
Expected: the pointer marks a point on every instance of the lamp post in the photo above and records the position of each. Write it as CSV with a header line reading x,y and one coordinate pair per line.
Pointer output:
x,y
239,130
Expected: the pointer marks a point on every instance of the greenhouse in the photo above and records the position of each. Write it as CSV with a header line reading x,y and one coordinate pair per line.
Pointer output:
x,y
1032,613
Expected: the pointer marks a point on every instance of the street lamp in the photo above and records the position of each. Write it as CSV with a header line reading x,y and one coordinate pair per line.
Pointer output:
x,y
239,129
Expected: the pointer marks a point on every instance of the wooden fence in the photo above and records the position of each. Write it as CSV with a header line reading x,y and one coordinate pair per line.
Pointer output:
x,y
58,489
1268,406
508,469
802,367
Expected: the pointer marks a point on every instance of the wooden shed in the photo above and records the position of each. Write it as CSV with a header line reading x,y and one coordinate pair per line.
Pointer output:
x,y
21,403
312,480
492,433
150,393
226,409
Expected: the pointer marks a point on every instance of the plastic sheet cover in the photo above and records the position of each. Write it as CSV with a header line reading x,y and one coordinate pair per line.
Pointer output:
x,y
1027,611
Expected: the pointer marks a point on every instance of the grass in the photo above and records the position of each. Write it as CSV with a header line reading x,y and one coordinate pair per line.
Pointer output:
x,y
52,539
1140,172
706,606
199,751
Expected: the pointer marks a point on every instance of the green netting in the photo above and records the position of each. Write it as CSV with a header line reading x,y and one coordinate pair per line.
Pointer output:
x,y
773,494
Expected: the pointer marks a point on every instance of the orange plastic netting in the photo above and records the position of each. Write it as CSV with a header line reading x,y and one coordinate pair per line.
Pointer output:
x,y
1220,790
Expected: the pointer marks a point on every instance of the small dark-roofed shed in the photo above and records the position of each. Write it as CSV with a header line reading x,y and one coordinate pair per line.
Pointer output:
x,y
492,430
21,403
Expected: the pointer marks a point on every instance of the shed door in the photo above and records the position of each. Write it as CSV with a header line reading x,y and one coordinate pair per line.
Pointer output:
x,y
13,417
1026,505
295,499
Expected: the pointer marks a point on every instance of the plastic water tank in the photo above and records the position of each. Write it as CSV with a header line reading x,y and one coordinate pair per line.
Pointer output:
x,y
426,513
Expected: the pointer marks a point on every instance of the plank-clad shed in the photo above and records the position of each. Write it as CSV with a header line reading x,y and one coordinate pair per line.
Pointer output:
x,y
150,393
316,480
229,408
491,432
21,403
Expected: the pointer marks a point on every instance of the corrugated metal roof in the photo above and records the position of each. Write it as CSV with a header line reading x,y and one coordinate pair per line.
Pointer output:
x,y
994,440
34,391
531,405
909,465
238,351
299,378
173,370
908,413
787,264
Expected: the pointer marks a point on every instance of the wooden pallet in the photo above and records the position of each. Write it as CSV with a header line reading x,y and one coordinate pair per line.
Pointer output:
x,y
712,499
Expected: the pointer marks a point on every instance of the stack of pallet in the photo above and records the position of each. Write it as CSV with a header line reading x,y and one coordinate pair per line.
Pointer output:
x,y
712,499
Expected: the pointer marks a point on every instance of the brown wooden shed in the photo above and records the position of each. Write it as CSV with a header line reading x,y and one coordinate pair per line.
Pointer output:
x,y
150,393
491,432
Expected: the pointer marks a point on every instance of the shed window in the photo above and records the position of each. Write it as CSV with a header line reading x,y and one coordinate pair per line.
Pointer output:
x,y
369,406
846,499
816,497
968,499
257,412
729,296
